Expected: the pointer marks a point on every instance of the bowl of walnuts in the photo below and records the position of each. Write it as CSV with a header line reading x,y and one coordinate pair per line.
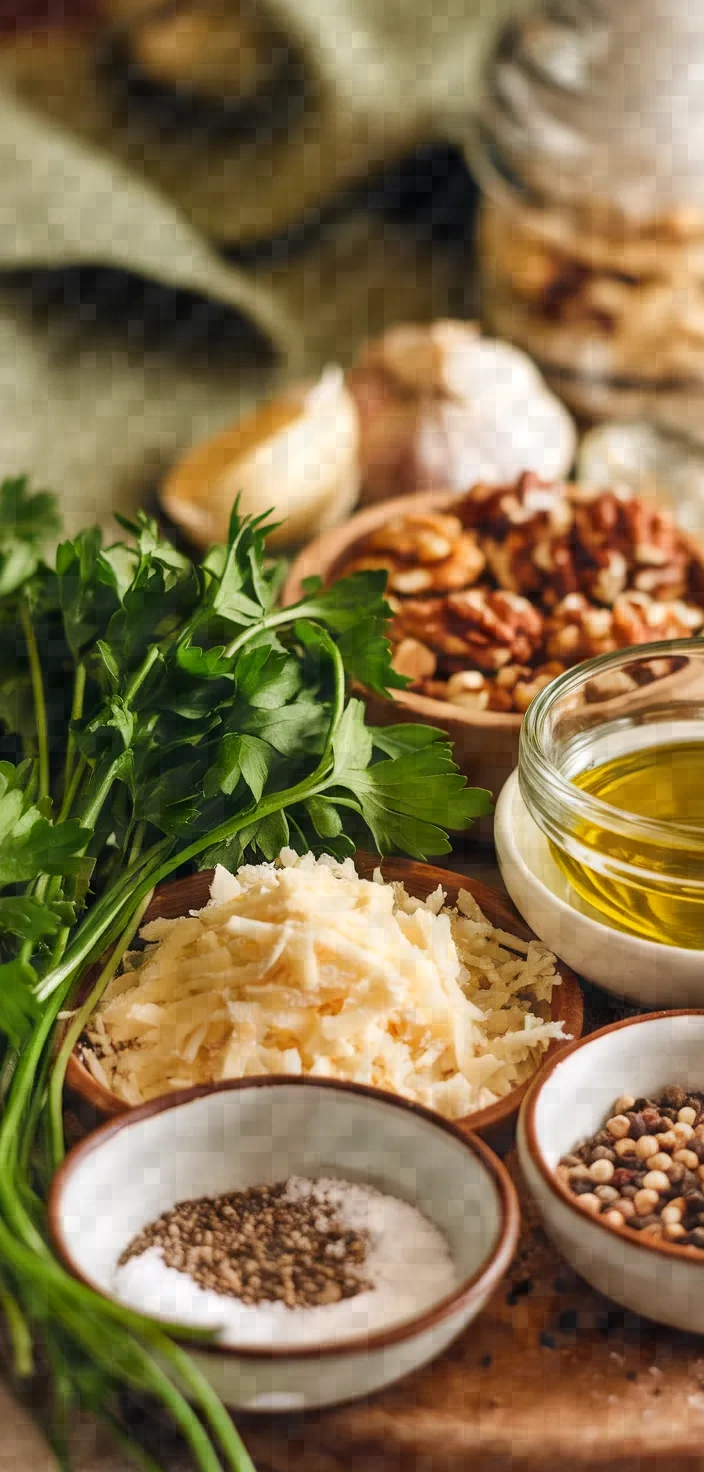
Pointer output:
x,y
496,591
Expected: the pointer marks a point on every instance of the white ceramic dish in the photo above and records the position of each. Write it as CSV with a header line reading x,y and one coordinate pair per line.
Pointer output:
x,y
642,971
253,1131
567,1103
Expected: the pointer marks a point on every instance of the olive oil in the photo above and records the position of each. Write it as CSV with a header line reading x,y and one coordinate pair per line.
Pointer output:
x,y
662,897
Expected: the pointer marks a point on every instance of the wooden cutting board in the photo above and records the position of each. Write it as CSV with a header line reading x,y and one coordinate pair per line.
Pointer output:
x,y
551,1374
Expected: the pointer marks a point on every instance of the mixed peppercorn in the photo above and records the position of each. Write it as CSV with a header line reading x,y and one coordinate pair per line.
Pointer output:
x,y
645,1168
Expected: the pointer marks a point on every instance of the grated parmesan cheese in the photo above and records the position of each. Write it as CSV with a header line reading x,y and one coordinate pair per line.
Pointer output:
x,y
301,967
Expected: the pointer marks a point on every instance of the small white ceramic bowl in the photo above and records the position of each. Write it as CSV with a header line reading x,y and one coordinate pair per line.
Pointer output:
x,y
257,1131
566,1104
643,971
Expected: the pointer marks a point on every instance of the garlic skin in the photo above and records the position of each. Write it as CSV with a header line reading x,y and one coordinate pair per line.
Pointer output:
x,y
296,456
441,407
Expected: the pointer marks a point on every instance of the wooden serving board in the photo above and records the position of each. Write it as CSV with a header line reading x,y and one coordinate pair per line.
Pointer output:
x,y
551,1374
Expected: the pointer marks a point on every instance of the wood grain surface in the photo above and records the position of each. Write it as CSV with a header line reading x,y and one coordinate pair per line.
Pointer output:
x,y
550,1376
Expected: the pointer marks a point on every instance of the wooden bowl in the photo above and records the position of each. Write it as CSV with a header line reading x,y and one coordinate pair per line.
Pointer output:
x,y
485,742
495,1123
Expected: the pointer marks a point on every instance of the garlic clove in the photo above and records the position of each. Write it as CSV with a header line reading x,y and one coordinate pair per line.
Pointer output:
x,y
442,407
203,49
296,456
435,359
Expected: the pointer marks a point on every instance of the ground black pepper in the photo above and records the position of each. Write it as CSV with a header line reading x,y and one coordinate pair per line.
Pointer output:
x,y
260,1246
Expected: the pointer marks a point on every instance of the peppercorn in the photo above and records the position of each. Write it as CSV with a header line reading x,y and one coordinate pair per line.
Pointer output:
x,y
644,1169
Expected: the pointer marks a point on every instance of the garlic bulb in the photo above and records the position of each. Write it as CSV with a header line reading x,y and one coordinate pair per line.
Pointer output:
x,y
442,407
296,456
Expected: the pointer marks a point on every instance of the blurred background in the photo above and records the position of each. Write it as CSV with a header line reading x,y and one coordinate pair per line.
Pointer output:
x,y
206,200
200,201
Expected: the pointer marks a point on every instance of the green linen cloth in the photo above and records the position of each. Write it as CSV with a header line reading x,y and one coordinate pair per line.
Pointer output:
x,y
382,76
88,401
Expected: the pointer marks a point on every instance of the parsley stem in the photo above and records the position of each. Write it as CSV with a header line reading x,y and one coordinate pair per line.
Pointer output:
x,y
10,1132
73,1033
105,913
79,687
77,775
102,785
288,615
19,1332
39,702
137,842
140,675
204,1396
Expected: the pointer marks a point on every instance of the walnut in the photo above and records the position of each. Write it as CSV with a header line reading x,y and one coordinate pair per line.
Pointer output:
x,y
529,503
508,677
478,627
497,628
415,660
433,689
418,537
601,568
469,689
577,630
460,570
551,541
639,619
523,530
655,552
423,553
525,690
607,578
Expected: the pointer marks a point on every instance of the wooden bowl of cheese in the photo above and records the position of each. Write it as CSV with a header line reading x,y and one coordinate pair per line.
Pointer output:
x,y
456,1012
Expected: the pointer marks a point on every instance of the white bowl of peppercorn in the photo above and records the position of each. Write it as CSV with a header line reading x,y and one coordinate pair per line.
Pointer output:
x,y
332,1238
611,1144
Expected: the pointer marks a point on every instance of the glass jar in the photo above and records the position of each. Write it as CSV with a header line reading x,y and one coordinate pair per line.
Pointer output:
x,y
629,725
591,163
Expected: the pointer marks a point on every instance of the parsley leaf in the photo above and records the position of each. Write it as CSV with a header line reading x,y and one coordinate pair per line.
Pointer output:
x,y
243,756
29,843
26,522
408,800
18,1007
355,609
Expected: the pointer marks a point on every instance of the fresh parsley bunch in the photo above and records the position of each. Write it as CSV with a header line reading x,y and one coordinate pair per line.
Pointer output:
x,y
160,713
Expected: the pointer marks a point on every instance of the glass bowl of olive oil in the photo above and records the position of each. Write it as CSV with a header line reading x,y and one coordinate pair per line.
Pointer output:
x,y
611,769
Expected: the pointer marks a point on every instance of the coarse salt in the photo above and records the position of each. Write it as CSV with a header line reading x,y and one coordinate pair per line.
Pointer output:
x,y
408,1262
